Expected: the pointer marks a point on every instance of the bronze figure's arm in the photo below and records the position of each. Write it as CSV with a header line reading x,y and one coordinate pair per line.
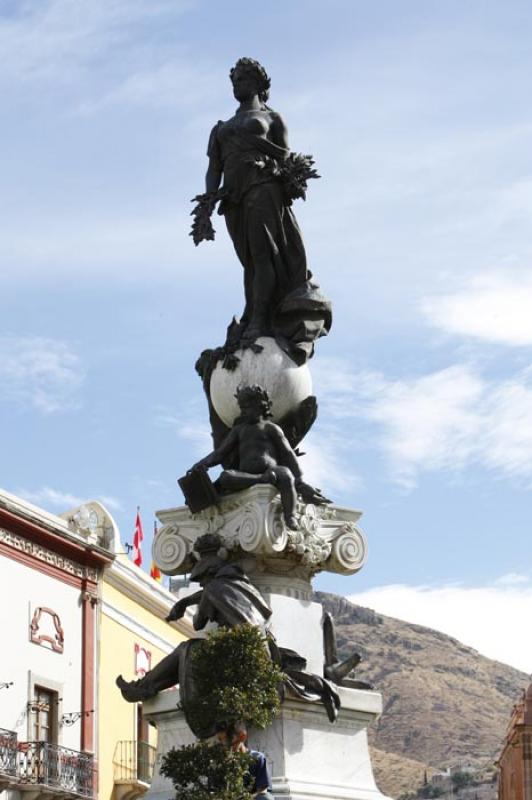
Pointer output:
x,y
177,611
217,456
213,177
202,228
285,455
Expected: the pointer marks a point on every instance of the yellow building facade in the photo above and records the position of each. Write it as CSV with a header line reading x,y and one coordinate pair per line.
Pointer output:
x,y
133,637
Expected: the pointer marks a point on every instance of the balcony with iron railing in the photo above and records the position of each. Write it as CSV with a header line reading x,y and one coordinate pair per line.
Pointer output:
x,y
45,764
44,768
133,768
8,758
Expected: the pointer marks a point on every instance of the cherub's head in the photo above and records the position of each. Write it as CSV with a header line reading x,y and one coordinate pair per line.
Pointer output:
x,y
253,402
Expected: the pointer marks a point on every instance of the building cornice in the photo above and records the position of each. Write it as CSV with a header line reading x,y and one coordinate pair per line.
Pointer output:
x,y
50,561
48,531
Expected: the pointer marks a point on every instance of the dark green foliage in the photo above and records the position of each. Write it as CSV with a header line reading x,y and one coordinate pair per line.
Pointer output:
x,y
294,171
235,679
427,792
202,228
462,779
297,169
430,791
207,772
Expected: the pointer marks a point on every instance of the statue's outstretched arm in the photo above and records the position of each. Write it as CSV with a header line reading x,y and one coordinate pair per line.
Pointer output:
x,y
217,456
285,455
181,606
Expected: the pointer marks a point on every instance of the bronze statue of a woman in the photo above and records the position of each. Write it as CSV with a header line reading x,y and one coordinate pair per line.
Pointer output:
x,y
261,178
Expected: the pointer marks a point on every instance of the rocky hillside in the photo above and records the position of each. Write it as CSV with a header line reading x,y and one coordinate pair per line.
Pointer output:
x,y
443,702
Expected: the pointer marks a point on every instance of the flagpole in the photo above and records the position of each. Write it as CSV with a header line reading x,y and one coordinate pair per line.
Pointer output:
x,y
155,572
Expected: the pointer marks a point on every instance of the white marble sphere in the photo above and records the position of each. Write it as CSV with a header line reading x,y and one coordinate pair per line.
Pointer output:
x,y
286,383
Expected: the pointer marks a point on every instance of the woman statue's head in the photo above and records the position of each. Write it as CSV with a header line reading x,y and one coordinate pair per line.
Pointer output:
x,y
248,78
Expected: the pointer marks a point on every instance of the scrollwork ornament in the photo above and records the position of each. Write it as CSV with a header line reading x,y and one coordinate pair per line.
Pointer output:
x,y
276,534
171,551
251,530
348,550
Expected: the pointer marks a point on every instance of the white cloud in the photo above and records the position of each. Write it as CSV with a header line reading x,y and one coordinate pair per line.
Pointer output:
x,y
55,39
50,498
41,373
189,426
488,618
512,579
326,463
446,420
95,248
55,499
494,308
111,502
515,202
429,422
166,85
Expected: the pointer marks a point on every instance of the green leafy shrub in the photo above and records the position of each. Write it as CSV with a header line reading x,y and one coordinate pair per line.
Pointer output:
x,y
462,779
207,772
235,679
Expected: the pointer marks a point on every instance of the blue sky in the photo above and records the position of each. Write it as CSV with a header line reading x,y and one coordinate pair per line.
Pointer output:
x,y
420,229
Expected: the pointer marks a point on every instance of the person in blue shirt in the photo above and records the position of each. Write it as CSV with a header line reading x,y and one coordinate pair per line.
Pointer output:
x,y
258,781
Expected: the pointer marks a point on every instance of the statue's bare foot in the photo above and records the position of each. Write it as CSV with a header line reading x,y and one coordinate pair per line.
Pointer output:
x,y
310,495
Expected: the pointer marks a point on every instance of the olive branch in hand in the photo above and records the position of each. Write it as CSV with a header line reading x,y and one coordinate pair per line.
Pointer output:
x,y
294,171
202,228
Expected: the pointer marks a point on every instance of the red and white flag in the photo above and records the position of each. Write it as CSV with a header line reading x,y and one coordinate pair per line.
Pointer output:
x,y
138,536
155,572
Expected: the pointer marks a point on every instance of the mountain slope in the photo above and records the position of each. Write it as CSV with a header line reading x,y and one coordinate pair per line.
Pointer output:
x,y
443,702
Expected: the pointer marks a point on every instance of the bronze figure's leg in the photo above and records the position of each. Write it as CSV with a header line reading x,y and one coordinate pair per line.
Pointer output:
x,y
262,290
286,484
234,480
281,477
163,676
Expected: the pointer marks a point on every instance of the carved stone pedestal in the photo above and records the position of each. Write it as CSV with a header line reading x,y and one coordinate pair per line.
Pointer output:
x,y
251,523
172,731
308,758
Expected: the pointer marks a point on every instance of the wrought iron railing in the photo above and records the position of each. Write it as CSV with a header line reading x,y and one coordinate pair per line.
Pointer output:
x,y
59,767
134,761
8,752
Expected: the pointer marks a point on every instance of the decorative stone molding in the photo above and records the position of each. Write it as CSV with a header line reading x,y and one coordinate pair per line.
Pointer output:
x,y
142,660
93,523
57,641
251,526
47,556
90,597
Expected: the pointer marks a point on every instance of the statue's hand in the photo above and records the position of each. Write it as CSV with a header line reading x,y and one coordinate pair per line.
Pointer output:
x,y
203,464
177,611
